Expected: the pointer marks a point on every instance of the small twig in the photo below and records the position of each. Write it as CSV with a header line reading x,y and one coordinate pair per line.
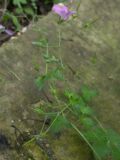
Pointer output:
x,y
12,72
15,75
71,69
46,96
17,130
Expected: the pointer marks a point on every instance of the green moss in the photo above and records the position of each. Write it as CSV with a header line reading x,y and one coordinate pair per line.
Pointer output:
x,y
35,151
69,145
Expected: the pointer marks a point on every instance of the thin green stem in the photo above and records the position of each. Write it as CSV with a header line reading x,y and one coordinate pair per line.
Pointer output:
x,y
47,52
51,124
30,141
101,126
78,6
55,119
85,139
43,126
59,38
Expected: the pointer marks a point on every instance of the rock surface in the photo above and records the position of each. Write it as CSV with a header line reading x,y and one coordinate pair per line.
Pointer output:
x,y
89,45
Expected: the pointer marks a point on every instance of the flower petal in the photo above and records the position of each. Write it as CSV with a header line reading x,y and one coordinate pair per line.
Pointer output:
x,y
9,32
62,11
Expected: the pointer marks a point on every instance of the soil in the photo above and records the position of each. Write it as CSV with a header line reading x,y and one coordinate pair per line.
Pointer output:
x,y
42,8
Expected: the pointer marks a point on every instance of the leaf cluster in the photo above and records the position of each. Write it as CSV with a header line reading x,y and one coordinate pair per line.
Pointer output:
x,y
103,142
74,112
23,8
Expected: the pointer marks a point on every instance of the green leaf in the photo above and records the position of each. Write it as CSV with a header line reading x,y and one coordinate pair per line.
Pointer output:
x,y
86,110
101,149
95,135
74,99
9,15
56,74
59,124
87,93
87,122
113,137
115,153
114,143
58,1
19,10
76,109
41,43
77,104
50,59
33,3
39,110
41,80
98,139
19,2
16,22
52,75
29,11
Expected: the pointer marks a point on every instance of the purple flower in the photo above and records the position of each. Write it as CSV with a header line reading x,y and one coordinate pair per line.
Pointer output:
x,y
9,32
62,11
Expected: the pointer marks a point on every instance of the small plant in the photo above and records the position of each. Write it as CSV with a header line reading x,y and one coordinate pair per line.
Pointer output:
x,y
23,9
74,112
52,74
71,110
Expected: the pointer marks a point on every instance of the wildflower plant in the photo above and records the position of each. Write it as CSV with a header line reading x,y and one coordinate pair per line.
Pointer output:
x,y
63,11
72,110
